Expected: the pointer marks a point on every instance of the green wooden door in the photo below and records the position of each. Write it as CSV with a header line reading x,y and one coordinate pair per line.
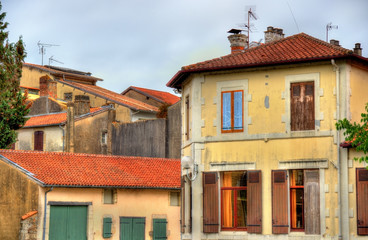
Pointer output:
x,y
68,223
159,229
132,228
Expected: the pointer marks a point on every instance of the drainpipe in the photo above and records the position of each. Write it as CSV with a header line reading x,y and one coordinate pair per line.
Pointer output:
x,y
44,215
62,129
337,70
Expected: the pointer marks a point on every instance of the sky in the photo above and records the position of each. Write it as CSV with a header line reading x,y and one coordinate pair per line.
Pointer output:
x,y
144,43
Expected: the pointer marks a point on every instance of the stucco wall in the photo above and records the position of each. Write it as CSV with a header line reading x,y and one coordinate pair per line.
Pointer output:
x,y
52,139
358,86
130,203
18,196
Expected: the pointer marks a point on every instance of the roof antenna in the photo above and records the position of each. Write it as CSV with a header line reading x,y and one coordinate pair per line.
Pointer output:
x,y
292,14
42,50
52,59
329,27
251,15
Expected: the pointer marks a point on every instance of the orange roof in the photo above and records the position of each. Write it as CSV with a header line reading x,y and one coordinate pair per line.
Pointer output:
x,y
294,49
111,96
67,73
89,170
54,118
163,97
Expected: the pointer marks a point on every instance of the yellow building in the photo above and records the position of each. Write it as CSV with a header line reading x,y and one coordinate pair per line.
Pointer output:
x,y
86,196
263,156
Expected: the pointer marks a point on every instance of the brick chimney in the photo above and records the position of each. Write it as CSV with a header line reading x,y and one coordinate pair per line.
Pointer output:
x,y
48,87
70,128
237,40
357,50
335,42
81,105
273,34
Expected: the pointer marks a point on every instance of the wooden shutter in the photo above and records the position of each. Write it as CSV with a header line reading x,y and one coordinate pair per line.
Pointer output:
x,y
38,141
254,205
182,212
279,202
311,202
159,229
138,232
210,203
107,227
302,106
362,196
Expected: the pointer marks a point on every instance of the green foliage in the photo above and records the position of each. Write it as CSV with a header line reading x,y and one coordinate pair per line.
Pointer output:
x,y
356,133
12,103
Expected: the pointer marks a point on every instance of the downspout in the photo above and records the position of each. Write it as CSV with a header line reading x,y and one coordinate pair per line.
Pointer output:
x,y
62,129
44,214
337,71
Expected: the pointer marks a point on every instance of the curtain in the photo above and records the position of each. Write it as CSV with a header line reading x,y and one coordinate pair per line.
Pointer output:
x,y
238,110
227,202
226,111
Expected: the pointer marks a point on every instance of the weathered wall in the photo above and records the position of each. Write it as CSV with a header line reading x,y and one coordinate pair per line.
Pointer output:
x,y
358,86
143,138
173,129
135,95
44,105
18,196
31,77
52,139
129,203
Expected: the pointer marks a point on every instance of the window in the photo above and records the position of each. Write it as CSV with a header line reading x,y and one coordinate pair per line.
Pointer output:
x,y
232,111
104,137
174,198
107,222
297,200
362,196
68,96
234,200
159,228
302,106
38,141
132,228
109,196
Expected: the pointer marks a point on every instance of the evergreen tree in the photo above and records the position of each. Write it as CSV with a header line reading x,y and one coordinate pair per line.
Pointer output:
x,y
12,102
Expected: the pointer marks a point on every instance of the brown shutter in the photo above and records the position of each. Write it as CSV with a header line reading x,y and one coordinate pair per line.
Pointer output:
x,y
311,202
38,141
279,202
210,203
182,212
302,106
362,196
254,205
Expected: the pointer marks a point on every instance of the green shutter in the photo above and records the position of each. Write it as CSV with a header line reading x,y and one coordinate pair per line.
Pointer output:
x,y
138,228
107,227
159,229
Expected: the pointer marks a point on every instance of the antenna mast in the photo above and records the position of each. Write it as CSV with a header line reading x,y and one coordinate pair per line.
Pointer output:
x,y
329,27
42,50
52,59
251,15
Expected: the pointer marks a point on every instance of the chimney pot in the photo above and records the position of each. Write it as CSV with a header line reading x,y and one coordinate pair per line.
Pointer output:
x,y
335,42
81,105
357,50
48,87
237,42
273,34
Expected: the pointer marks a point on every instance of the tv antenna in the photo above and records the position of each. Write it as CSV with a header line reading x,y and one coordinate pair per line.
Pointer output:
x,y
52,59
251,15
329,27
42,48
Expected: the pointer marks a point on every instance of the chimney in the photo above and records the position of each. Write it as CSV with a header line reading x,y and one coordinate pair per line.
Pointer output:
x,y
357,50
81,105
70,128
273,34
335,42
237,40
48,87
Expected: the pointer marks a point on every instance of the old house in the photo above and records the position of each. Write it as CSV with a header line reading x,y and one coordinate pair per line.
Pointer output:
x,y
262,156
85,196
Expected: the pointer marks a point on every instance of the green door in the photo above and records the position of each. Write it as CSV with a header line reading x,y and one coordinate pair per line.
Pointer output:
x,y
132,228
159,229
68,223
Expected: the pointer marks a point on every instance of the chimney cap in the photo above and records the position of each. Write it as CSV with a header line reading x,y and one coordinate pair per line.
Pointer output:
x,y
234,31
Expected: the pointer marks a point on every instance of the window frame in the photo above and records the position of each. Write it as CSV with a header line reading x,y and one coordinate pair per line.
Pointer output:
x,y
232,111
294,187
235,213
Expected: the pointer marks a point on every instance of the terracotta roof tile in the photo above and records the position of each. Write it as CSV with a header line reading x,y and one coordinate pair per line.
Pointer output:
x,y
29,214
81,170
51,119
160,96
112,96
297,48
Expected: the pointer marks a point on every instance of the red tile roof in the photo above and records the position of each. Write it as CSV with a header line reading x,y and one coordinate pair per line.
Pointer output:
x,y
294,49
89,170
111,96
163,97
53,118
72,74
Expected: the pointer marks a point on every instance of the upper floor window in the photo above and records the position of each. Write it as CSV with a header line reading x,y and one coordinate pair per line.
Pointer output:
x,y
232,111
109,196
302,106
38,141
68,96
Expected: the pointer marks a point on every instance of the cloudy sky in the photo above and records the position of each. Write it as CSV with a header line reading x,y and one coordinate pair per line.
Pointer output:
x,y
145,42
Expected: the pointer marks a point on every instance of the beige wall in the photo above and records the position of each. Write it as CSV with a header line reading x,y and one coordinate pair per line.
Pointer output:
x,y
130,203
359,88
52,139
